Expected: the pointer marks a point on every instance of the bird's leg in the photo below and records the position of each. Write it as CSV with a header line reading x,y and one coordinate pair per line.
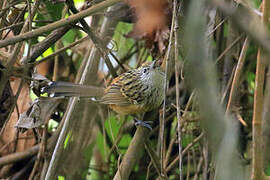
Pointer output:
x,y
139,122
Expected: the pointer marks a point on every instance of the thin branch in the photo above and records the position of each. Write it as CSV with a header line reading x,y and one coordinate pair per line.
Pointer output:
x,y
15,157
173,163
10,5
11,26
176,56
154,158
59,51
169,150
198,168
168,73
246,21
237,73
101,47
12,59
63,22
87,75
228,48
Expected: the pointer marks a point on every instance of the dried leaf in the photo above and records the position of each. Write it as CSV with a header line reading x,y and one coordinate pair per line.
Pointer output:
x,y
38,113
152,22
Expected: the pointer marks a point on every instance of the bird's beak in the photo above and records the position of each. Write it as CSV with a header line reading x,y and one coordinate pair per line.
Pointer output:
x,y
153,64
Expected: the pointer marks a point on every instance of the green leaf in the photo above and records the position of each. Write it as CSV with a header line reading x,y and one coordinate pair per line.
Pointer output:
x,y
67,139
123,43
69,37
52,125
100,144
267,171
50,12
61,178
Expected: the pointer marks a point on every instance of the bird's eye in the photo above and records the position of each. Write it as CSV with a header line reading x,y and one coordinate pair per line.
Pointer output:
x,y
144,70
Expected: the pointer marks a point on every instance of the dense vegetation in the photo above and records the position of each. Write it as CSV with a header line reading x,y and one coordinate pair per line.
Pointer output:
x,y
216,112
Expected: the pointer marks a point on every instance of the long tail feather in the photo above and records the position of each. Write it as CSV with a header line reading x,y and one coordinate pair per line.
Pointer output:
x,y
67,89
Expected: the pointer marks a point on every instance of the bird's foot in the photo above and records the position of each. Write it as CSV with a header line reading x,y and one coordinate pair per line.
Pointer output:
x,y
143,123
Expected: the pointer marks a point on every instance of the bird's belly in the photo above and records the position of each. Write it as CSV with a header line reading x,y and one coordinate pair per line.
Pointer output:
x,y
129,109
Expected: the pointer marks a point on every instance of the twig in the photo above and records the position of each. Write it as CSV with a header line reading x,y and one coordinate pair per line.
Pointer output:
x,y
237,73
12,59
169,150
60,50
154,158
228,85
198,168
239,117
63,22
11,26
228,48
116,141
101,47
148,171
176,55
217,26
168,72
87,75
15,157
245,21
41,153
205,158
197,139
12,4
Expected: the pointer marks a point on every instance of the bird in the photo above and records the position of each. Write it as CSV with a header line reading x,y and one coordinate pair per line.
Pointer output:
x,y
134,92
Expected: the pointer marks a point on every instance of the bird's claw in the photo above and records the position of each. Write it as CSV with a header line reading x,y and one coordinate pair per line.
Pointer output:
x,y
143,123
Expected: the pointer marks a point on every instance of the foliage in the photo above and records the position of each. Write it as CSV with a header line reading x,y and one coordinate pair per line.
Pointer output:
x,y
81,139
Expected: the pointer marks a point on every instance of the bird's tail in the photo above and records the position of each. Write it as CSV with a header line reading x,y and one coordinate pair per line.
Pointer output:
x,y
68,89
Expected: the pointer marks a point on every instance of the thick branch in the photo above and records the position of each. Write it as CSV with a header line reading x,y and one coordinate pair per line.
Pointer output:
x,y
257,163
132,155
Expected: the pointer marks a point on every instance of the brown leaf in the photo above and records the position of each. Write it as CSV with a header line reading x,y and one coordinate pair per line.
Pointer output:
x,y
152,22
38,113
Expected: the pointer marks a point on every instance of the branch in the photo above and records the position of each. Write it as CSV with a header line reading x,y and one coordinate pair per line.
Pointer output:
x,y
18,156
72,118
220,129
63,22
257,163
42,46
237,74
155,159
15,157
61,50
246,21
132,155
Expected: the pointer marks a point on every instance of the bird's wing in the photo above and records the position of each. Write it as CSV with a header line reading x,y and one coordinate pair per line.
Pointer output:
x,y
124,90
113,93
